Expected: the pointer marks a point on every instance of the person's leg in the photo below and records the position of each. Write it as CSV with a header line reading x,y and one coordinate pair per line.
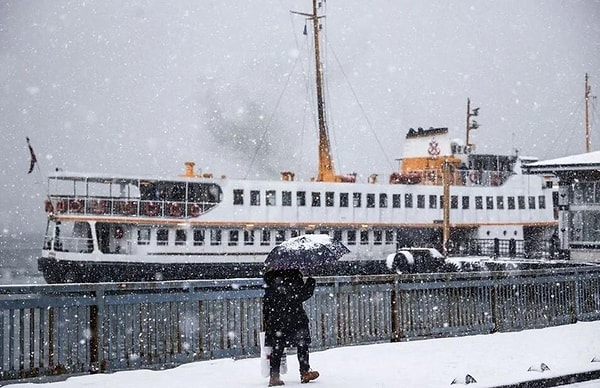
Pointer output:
x,y
303,358
276,355
306,375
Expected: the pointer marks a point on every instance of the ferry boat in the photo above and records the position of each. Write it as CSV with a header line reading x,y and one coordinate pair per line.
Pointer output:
x,y
193,226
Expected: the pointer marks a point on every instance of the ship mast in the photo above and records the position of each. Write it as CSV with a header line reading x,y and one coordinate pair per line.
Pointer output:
x,y
588,91
326,169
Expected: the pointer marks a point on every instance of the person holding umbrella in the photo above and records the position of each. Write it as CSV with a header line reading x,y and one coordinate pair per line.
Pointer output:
x,y
286,322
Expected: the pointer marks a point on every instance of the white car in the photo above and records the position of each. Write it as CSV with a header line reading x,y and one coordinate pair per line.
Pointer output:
x,y
417,260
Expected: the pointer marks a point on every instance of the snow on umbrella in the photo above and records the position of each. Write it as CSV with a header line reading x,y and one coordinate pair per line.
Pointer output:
x,y
306,252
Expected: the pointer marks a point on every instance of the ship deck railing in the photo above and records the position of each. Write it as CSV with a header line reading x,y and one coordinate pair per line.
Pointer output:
x,y
462,177
129,207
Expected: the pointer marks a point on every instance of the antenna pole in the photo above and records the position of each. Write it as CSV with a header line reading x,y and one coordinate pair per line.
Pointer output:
x,y
446,207
468,116
471,124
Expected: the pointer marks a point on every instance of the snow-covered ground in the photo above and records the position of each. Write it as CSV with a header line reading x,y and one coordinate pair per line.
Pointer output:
x,y
494,359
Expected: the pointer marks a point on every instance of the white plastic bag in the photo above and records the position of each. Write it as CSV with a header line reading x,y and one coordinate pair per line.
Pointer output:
x,y
265,358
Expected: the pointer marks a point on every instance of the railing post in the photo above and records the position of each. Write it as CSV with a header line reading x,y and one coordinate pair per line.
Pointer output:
x,y
51,339
96,315
512,248
576,306
496,247
395,320
494,306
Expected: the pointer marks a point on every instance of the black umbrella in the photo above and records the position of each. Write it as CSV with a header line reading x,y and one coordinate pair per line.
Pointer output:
x,y
305,252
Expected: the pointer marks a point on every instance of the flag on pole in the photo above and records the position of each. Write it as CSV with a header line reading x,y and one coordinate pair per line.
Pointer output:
x,y
33,158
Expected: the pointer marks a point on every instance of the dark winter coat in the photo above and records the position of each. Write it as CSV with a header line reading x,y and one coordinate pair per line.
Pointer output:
x,y
286,322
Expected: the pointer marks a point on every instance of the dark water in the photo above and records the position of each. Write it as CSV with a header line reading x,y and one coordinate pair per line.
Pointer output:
x,y
18,260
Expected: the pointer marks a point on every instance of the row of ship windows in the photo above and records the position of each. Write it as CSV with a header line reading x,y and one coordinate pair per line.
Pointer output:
x,y
264,237
434,201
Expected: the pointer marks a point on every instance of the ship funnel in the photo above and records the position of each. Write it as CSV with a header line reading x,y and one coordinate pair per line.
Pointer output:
x,y
189,169
287,176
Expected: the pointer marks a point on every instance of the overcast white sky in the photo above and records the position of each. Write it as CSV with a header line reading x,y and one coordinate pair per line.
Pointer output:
x,y
142,86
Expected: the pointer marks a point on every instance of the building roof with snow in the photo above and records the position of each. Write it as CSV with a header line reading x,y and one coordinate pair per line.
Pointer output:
x,y
581,162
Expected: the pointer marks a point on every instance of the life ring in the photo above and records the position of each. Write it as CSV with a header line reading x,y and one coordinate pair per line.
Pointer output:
x,y
152,209
175,209
76,206
128,208
195,210
48,206
474,177
99,207
495,181
61,206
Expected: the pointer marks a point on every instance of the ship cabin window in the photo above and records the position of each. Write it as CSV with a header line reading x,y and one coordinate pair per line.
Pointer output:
x,y
420,201
389,237
383,200
198,237
396,201
286,198
337,235
300,198
163,191
270,198
316,199
180,237
465,202
542,202
370,200
238,196
377,237
149,191
478,202
344,199
489,202
329,198
352,237
521,201
265,237
216,236
201,192
454,202
176,192
433,201
510,201
408,200
143,236
364,237
279,236
162,237
500,202
584,193
531,202
356,199
254,198
248,237
234,237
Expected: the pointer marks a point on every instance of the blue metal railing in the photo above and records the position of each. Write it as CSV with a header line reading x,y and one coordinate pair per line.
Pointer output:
x,y
79,328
